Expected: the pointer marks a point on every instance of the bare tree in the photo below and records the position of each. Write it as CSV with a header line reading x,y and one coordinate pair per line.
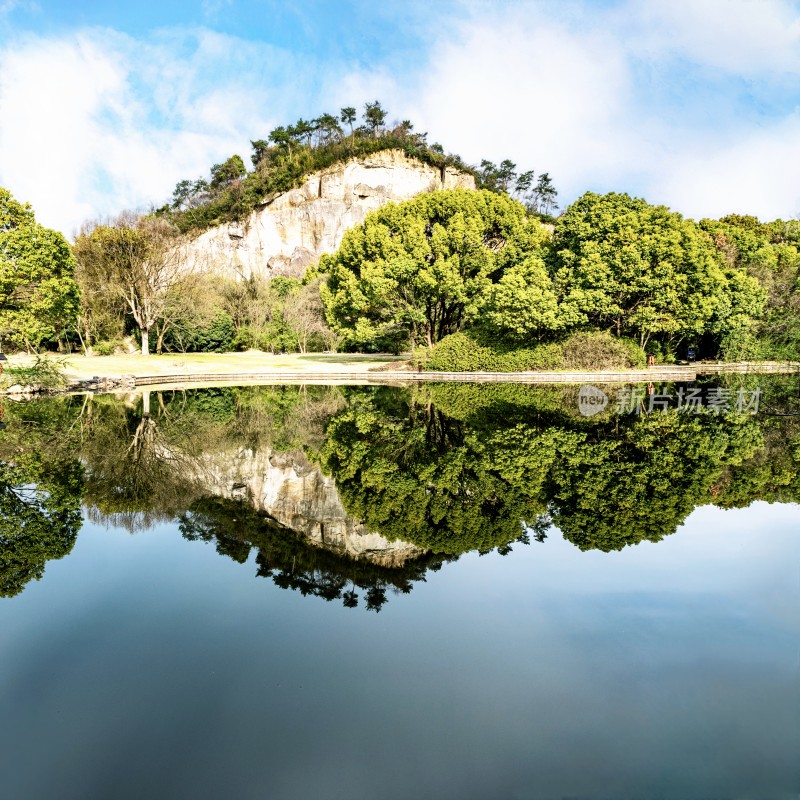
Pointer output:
x,y
305,316
141,258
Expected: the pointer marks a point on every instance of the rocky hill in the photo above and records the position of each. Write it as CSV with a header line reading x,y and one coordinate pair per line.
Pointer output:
x,y
289,232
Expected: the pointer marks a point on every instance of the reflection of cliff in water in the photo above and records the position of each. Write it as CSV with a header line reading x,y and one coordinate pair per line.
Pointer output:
x,y
148,460
294,493
236,529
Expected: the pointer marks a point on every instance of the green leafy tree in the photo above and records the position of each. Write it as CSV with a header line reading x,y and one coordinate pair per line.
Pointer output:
x,y
374,117
348,117
760,319
39,298
141,260
425,267
544,195
227,172
523,304
328,129
636,269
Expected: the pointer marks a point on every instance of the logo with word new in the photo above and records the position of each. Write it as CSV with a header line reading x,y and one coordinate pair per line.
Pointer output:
x,y
591,400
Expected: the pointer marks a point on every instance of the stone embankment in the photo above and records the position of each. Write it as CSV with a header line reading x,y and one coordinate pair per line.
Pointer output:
x,y
680,374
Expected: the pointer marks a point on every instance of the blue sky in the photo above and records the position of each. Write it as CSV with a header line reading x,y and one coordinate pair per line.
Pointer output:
x,y
692,103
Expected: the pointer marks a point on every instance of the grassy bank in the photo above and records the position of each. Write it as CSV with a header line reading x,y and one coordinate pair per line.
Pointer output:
x,y
80,368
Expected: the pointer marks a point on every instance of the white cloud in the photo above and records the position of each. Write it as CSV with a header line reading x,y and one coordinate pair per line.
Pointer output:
x,y
563,97
759,173
744,37
98,122
530,88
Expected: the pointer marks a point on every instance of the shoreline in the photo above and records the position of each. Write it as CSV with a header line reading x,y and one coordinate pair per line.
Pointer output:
x,y
103,374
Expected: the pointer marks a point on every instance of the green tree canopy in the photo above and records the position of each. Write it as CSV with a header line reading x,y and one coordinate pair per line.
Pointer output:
x,y
765,324
425,267
39,298
227,172
640,270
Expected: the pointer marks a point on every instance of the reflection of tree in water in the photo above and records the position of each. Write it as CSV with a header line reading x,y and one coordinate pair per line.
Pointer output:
x,y
410,472
453,471
39,519
292,563
41,484
641,483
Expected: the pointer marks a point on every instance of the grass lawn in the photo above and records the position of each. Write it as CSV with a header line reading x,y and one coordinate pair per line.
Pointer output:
x,y
80,367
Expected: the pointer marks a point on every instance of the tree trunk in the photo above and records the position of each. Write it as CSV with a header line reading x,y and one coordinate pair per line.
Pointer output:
x,y
145,341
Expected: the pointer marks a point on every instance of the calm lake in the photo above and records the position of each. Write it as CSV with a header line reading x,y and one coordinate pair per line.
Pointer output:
x,y
443,591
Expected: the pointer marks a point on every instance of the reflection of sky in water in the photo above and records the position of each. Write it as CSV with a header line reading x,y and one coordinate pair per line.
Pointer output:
x,y
147,666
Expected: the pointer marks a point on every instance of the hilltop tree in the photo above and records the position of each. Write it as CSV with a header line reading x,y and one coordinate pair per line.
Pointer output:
x,y
328,129
523,183
374,117
39,298
227,172
260,148
348,117
544,195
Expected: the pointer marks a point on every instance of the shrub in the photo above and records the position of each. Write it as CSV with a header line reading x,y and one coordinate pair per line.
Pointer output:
x,y
474,351
468,351
44,375
108,348
601,350
216,337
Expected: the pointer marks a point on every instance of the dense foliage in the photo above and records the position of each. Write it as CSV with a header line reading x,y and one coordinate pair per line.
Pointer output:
x,y
424,267
640,270
769,253
476,351
457,468
38,293
474,276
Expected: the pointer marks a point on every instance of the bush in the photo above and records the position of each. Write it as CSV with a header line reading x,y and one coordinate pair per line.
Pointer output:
x,y
474,351
601,350
469,351
44,375
216,337
108,348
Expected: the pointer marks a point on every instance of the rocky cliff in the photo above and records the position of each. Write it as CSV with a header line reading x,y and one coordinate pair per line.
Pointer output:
x,y
291,231
296,494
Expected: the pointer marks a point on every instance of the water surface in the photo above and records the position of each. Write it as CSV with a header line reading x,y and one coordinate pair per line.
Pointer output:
x,y
581,607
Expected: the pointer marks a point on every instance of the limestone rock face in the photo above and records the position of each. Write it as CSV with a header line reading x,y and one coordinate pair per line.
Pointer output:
x,y
296,494
290,232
